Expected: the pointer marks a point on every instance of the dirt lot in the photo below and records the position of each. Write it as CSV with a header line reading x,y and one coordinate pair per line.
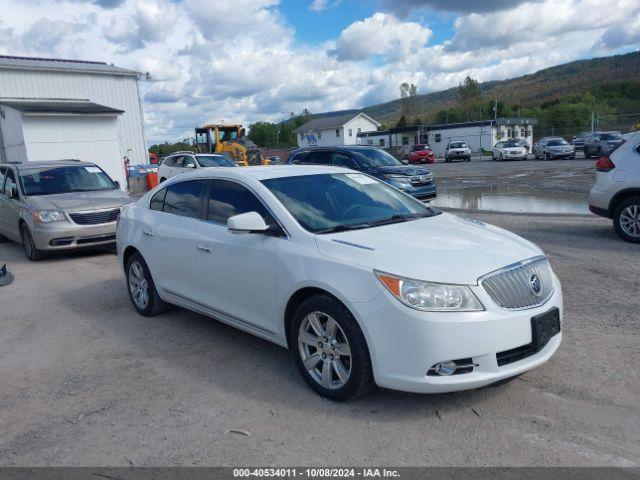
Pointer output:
x,y
84,380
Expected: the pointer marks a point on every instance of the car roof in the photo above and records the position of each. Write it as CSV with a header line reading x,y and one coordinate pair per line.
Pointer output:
x,y
262,172
51,163
354,148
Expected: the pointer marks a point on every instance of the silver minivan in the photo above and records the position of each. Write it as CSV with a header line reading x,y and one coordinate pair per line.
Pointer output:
x,y
58,205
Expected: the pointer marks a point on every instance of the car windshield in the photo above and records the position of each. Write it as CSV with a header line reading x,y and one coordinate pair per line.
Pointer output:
x,y
457,145
557,142
511,143
610,136
373,158
64,179
336,202
214,161
418,148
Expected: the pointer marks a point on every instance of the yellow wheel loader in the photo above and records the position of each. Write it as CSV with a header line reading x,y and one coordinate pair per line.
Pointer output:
x,y
230,141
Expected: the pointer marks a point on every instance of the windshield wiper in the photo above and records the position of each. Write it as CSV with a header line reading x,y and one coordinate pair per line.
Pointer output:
x,y
396,219
344,228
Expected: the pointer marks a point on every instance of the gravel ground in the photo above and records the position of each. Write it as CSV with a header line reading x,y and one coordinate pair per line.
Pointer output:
x,y
86,381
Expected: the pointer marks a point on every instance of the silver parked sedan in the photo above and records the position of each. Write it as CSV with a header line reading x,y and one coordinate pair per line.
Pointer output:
x,y
58,205
551,148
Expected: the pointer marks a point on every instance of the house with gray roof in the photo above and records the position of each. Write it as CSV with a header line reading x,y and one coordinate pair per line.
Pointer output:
x,y
336,128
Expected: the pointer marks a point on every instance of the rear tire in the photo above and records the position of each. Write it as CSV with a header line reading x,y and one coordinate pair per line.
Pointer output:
x,y
321,328
142,290
626,220
30,250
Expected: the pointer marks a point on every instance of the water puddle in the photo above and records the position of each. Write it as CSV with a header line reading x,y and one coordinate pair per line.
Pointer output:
x,y
506,200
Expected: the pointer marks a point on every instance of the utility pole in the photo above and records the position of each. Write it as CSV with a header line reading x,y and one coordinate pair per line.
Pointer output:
x,y
495,109
593,120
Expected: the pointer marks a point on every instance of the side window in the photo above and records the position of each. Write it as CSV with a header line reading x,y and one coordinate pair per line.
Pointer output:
x,y
157,201
342,160
10,182
300,158
169,161
188,162
227,199
319,157
184,198
2,175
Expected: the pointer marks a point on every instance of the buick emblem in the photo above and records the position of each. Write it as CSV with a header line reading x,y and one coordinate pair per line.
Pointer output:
x,y
534,284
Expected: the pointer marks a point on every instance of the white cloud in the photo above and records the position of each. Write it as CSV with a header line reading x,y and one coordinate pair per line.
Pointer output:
x,y
381,34
319,5
238,60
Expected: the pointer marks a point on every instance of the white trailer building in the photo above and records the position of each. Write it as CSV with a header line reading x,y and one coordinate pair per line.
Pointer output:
x,y
480,135
54,109
333,129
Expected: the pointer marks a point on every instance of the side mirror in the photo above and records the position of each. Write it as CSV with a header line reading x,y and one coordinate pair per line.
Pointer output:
x,y
117,183
250,222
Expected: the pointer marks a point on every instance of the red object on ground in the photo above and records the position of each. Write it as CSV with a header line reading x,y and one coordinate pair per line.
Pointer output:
x,y
152,180
422,154
604,164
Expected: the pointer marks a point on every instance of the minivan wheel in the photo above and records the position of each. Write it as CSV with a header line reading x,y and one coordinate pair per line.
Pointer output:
x,y
626,220
29,245
330,349
142,290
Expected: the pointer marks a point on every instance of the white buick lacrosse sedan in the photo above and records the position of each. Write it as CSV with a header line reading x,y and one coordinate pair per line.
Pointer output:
x,y
366,285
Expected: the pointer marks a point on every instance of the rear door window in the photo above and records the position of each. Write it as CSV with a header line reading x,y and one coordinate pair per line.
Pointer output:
x,y
169,162
184,198
10,182
300,158
2,175
157,201
319,157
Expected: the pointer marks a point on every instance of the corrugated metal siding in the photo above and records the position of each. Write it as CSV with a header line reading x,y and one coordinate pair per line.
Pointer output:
x,y
115,91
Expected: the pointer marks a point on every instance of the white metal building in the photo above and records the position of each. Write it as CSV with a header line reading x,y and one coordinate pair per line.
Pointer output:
x,y
54,109
339,128
480,135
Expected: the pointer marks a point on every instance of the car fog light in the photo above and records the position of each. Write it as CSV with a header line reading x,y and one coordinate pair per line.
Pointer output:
x,y
445,368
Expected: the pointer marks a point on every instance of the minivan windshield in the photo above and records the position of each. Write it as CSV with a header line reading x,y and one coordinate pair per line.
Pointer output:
x,y
64,179
214,161
511,143
374,158
337,202
457,145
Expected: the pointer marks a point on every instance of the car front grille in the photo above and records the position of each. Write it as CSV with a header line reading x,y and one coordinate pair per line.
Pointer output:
x,y
421,179
514,287
96,217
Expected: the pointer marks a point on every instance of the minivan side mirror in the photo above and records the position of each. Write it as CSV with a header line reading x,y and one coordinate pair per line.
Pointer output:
x,y
117,183
250,222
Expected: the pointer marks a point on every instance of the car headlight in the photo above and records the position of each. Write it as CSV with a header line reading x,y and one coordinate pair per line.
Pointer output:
x,y
48,216
429,296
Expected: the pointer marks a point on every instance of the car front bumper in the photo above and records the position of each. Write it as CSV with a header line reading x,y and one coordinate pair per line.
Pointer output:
x,y
70,236
514,156
425,192
405,343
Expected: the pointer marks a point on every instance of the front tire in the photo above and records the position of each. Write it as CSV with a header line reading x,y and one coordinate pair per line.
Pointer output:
x,y
626,220
30,250
142,290
330,349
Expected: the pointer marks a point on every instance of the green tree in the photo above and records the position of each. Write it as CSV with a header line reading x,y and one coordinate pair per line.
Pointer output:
x,y
470,98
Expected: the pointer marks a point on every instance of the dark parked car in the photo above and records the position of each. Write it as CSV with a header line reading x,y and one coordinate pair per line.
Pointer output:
x,y
602,143
414,180
578,140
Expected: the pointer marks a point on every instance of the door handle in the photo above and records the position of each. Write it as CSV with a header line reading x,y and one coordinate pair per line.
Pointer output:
x,y
147,233
203,249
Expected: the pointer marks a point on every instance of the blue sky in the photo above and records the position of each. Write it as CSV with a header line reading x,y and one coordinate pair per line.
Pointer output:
x,y
260,60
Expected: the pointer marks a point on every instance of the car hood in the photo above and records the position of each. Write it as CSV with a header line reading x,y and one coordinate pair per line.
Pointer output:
x,y
560,148
80,201
445,248
403,170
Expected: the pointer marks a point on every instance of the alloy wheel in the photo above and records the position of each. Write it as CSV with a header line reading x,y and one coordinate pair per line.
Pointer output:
x,y
630,221
138,285
324,350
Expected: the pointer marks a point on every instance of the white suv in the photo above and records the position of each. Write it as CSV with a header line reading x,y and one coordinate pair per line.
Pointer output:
x,y
616,193
181,162
365,284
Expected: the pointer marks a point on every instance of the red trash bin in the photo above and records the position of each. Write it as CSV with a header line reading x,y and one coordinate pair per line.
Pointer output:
x,y
152,180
